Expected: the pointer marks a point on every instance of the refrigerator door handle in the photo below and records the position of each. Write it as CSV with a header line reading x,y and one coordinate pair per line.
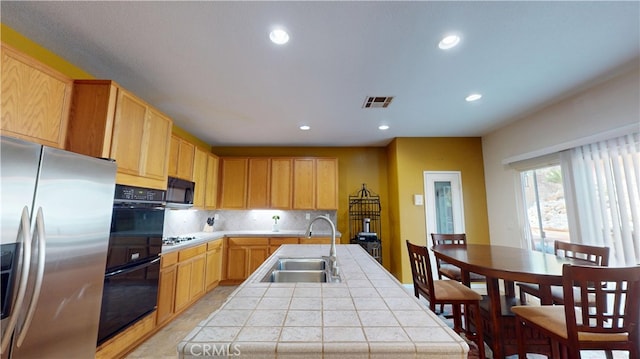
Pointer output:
x,y
39,275
25,251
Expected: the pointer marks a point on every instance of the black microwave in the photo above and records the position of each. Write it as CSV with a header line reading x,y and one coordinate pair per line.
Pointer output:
x,y
180,193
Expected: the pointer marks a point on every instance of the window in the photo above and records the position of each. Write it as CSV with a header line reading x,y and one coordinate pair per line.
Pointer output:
x,y
605,184
544,207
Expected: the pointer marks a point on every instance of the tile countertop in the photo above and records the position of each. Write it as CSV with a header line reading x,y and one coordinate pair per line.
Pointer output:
x,y
368,315
203,237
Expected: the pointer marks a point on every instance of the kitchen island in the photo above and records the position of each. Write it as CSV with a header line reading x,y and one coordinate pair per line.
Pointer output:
x,y
369,314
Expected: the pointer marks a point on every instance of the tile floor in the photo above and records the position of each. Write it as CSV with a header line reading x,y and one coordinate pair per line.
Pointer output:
x,y
163,344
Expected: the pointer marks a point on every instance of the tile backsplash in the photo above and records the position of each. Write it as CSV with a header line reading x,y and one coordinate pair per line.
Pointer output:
x,y
181,221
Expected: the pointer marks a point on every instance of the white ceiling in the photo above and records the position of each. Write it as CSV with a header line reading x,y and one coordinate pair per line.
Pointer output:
x,y
211,66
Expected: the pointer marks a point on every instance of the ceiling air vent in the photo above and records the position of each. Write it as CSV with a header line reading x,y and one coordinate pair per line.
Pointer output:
x,y
377,102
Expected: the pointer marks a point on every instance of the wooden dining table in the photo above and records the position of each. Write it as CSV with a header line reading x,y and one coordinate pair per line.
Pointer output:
x,y
511,265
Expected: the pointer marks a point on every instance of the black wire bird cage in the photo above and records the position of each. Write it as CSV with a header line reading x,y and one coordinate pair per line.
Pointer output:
x,y
364,221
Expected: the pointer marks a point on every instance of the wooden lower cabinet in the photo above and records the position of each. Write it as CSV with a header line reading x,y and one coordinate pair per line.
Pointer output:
x,y
316,240
213,265
125,341
245,255
185,276
190,276
167,287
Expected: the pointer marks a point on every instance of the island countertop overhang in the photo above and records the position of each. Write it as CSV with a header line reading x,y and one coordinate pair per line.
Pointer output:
x,y
369,312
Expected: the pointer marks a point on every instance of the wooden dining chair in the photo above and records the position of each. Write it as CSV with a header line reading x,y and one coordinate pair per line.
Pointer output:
x,y
598,256
440,292
449,270
610,323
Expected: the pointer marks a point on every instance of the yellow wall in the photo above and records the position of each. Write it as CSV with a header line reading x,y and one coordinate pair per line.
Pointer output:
x,y
191,138
21,43
356,165
394,172
409,158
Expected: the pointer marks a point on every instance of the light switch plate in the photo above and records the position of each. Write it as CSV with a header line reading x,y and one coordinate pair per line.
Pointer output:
x,y
418,199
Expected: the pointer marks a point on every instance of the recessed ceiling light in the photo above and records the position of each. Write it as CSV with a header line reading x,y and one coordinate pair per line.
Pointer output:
x,y
383,127
449,41
279,36
473,97
305,128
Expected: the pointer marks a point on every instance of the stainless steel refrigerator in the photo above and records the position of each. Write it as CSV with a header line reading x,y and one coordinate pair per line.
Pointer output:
x,y
56,215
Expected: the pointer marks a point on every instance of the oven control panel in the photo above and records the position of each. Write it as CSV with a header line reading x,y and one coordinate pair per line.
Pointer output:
x,y
129,193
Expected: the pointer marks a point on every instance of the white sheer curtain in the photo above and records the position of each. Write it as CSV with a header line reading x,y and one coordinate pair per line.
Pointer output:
x,y
605,179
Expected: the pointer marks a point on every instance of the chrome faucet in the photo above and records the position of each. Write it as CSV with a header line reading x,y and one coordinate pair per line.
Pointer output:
x,y
332,250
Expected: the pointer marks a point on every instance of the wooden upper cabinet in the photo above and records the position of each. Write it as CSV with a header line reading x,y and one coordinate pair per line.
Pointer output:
x,y
200,177
233,186
258,183
35,100
304,183
211,194
181,158
281,182
174,155
327,183
157,132
128,133
108,121
205,175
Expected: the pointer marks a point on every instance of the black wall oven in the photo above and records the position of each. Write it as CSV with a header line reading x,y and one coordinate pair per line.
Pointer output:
x,y
133,259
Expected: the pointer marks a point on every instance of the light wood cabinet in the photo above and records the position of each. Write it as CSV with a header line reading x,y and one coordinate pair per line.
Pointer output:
x,y
128,339
315,183
281,183
205,175
304,183
108,121
211,194
157,130
128,131
183,285
258,183
190,276
35,100
233,186
245,255
316,240
200,177
181,159
213,270
185,276
327,183
167,288
197,277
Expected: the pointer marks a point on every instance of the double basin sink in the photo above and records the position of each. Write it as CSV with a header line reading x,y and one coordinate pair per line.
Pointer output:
x,y
292,270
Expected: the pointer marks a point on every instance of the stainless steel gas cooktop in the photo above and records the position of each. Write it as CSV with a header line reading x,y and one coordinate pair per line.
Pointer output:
x,y
170,241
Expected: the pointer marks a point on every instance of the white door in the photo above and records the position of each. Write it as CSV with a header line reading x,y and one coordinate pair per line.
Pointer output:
x,y
444,208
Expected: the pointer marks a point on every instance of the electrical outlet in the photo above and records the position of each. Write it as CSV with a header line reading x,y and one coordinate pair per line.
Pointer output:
x,y
307,216
216,216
